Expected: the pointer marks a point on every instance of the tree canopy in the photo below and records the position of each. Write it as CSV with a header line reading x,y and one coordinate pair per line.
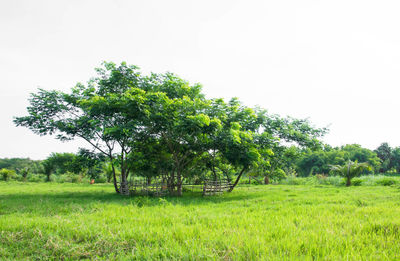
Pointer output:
x,y
161,125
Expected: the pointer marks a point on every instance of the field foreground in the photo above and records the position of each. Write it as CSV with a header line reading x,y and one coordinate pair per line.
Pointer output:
x,y
75,221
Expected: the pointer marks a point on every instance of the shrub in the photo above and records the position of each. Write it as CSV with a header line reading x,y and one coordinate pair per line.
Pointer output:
x,y
314,180
75,178
255,181
7,174
279,174
36,177
293,181
357,182
332,180
386,182
69,177
101,179
321,176
392,171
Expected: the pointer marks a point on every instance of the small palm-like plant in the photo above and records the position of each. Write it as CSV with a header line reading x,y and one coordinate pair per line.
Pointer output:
x,y
350,170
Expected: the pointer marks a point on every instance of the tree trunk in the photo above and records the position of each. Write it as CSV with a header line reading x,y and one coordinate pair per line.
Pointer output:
x,y
237,180
266,180
115,179
179,183
124,189
170,182
348,182
48,177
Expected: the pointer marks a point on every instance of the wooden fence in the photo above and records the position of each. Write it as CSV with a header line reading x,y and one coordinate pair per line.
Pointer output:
x,y
159,188
156,188
213,187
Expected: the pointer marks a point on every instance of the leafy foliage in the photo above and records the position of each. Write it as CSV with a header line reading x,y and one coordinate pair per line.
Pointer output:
x,y
350,170
160,125
7,174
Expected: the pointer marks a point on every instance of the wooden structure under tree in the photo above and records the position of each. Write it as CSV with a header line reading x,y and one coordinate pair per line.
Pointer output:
x,y
214,187
159,188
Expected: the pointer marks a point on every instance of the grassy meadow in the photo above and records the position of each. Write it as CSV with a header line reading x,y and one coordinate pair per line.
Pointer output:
x,y
50,221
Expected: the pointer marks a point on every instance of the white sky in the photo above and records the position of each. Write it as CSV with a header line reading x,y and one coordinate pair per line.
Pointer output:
x,y
336,62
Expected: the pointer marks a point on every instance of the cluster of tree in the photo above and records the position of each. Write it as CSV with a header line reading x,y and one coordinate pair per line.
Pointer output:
x,y
297,161
83,163
21,164
319,162
383,159
12,167
161,126
390,158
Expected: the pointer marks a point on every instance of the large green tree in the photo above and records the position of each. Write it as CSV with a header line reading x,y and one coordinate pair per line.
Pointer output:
x,y
90,112
161,125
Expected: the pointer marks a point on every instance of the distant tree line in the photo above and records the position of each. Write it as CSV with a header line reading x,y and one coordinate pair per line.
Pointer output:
x,y
283,162
383,159
81,164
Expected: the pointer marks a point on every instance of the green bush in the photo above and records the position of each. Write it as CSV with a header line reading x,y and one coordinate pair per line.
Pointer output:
x,y
36,177
7,174
75,178
101,179
386,182
332,180
357,182
19,178
68,177
255,181
369,180
293,181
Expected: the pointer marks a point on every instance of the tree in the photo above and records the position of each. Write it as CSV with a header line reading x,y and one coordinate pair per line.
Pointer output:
x,y
350,170
24,172
48,166
161,125
90,161
355,152
20,165
7,174
384,152
183,130
91,113
313,162
396,159
254,134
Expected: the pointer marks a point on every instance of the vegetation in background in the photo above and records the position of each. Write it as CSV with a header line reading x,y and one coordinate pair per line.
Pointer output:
x,y
7,174
285,165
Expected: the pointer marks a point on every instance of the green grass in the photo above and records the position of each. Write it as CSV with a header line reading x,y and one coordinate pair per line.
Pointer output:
x,y
40,221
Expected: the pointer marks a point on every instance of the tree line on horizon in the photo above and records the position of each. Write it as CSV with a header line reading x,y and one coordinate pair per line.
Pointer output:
x,y
291,161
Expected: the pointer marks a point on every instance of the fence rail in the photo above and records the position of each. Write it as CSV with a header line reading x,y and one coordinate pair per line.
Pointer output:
x,y
143,188
213,187
160,188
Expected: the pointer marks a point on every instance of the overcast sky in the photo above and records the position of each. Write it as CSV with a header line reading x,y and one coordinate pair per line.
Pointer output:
x,y
334,62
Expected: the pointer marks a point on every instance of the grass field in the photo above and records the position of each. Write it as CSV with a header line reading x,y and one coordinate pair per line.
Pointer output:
x,y
279,222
